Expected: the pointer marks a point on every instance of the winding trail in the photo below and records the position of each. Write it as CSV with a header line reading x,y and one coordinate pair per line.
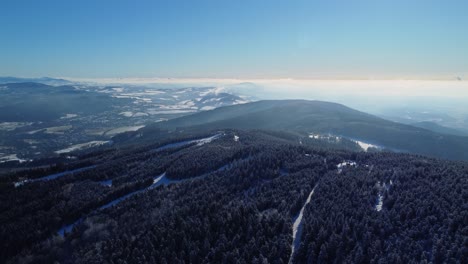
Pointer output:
x,y
158,180
297,227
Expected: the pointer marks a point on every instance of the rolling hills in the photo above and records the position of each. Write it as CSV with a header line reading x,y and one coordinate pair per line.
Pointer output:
x,y
325,118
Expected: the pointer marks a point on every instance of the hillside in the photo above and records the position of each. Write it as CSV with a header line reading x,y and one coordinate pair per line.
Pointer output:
x,y
440,129
325,118
236,197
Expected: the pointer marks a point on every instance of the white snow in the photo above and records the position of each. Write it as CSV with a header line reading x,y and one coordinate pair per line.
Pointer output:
x,y
199,142
203,141
59,130
82,146
297,227
132,114
365,146
67,116
138,114
156,112
345,164
215,90
126,114
236,138
325,137
380,197
240,102
206,108
20,183
154,92
157,179
10,157
10,126
118,89
379,205
119,130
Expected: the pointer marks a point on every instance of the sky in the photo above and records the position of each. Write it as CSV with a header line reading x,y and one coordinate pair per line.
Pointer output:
x,y
314,39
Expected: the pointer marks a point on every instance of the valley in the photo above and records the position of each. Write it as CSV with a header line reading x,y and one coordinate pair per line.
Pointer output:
x,y
56,120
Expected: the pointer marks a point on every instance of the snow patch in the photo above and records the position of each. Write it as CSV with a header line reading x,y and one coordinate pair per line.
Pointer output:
x,y
119,130
345,164
68,116
328,137
10,126
82,146
378,206
126,114
206,108
11,157
199,142
107,183
204,141
365,146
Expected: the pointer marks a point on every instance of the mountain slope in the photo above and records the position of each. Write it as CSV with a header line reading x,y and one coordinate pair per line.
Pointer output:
x,y
439,129
234,198
323,117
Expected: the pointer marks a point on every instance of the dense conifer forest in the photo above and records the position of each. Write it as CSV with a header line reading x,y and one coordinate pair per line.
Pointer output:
x,y
233,196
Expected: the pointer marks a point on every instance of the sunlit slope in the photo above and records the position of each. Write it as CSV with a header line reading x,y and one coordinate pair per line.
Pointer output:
x,y
324,117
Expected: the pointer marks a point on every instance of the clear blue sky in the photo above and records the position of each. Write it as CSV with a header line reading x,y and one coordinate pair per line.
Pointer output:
x,y
234,38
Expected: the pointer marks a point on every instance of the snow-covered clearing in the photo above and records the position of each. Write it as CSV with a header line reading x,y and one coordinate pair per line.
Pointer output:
x,y
207,108
365,146
10,126
345,164
119,130
68,116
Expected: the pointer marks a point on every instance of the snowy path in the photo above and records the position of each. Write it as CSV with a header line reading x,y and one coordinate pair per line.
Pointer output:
x,y
156,182
297,227
199,142
55,175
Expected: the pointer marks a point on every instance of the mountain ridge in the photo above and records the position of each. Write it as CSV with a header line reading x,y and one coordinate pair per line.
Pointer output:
x,y
323,117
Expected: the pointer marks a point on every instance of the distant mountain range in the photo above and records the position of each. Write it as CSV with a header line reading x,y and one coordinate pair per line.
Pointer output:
x,y
44,80
33,102
324,118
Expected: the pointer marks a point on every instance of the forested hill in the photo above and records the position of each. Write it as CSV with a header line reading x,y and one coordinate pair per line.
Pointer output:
x,y
326,118
233,196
